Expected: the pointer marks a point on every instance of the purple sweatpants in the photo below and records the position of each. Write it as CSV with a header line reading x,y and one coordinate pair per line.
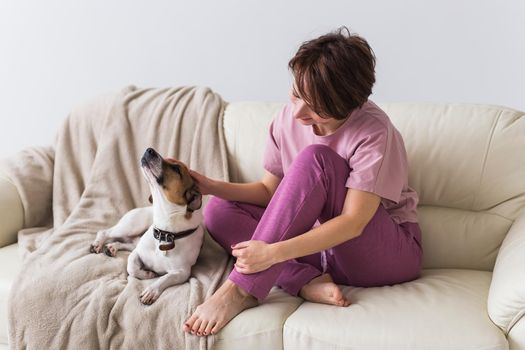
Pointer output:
x,y
314,189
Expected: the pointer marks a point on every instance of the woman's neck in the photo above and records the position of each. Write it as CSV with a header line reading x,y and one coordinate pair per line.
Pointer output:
x,y
329,127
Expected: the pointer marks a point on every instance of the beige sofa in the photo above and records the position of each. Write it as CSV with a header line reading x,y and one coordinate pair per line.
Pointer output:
x,y
467,163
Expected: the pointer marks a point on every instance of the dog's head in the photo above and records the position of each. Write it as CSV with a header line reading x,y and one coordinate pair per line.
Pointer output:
x,y
170,179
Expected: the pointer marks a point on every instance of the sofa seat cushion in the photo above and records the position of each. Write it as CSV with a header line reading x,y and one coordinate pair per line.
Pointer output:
x,y
9,267
444,309
260,327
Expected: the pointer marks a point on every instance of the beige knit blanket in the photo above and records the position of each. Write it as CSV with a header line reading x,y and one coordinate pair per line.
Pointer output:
x,y
66,297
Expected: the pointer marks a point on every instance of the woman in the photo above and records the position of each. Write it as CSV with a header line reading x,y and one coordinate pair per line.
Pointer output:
x,y
334,206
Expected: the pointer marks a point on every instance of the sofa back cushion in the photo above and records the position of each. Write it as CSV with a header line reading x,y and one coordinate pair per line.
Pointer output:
x,y
467,163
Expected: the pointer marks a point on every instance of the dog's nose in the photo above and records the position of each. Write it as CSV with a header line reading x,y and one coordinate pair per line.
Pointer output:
x,y
150,151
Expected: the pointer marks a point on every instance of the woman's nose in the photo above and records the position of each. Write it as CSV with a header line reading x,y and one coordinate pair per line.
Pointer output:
x,y
299,108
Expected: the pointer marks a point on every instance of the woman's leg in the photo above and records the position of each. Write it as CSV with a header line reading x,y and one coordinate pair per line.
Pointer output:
x,y
313,187
385,253
232,222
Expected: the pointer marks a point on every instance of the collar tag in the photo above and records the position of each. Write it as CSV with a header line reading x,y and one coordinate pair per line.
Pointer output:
x,y
166,246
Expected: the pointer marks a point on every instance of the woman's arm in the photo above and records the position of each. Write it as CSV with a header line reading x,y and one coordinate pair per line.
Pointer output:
x,y
258,193
358,210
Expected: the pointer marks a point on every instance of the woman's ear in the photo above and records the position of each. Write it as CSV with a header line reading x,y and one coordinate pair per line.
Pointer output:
x,y
150,199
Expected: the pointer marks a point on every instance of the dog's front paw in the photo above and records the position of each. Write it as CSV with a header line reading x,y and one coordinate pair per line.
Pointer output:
x,y
149,295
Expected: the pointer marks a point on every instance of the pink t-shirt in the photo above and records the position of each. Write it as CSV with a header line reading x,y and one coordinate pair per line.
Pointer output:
x,y
372,146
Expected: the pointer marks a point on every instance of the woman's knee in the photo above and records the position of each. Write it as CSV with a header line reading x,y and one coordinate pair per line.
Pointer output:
x,y
314,150
319,154
216,214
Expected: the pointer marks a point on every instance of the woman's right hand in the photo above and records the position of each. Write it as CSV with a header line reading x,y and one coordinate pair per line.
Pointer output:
x,y
204,184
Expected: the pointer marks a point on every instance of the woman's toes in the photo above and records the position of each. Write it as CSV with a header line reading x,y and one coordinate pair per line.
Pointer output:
x,y
209,327
338,295
196,326
200,332
216,328
188,325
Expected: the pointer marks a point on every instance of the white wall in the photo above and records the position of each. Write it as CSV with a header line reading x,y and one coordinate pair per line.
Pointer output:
x,y
54,54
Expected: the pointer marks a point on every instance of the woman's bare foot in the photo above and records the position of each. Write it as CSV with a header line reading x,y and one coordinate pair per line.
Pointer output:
x,y
226,303
322,289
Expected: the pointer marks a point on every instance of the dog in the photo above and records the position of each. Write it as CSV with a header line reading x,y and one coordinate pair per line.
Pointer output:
x,y
173,228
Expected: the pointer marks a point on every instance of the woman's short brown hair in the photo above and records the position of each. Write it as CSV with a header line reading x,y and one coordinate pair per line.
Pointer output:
x,y
334,73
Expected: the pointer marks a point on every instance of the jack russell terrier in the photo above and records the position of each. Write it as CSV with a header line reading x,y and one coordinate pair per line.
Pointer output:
x,y
174,233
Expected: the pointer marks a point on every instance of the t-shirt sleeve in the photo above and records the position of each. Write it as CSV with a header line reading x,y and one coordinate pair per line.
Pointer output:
x,y
272,160
378,165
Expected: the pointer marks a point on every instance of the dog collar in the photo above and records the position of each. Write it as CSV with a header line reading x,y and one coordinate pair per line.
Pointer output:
x,y
170,237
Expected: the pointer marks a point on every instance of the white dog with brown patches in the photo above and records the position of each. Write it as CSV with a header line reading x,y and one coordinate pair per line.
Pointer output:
x,y
174,234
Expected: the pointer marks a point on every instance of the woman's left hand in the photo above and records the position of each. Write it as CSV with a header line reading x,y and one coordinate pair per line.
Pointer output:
x,y
253,256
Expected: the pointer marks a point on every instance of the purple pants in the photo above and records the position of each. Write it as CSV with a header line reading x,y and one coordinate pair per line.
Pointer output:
x,y
314,189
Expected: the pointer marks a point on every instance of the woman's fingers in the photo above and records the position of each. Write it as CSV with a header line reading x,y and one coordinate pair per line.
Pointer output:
x,y
241,245
195,175
243,269
201,181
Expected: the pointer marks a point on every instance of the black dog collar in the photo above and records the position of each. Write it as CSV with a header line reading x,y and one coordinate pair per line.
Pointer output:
x,y
170,237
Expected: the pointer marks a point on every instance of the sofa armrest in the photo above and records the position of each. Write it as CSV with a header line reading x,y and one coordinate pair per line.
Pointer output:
x,y
506,300
11,212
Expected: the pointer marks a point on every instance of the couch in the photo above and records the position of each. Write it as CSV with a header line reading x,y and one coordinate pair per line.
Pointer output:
x,y
467,162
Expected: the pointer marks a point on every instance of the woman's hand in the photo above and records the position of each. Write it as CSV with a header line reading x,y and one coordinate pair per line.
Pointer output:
x,y
205,184
254,256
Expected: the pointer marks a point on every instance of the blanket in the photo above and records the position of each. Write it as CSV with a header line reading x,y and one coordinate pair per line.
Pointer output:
x,y
66,297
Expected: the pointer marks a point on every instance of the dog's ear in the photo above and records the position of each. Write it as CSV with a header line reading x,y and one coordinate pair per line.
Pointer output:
x,y
193,198
150,199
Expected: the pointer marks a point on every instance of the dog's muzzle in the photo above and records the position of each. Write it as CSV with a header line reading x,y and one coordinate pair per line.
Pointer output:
x,y
152,161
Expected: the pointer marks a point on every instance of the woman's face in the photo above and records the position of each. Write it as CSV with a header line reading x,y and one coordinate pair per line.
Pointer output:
x,y
303,113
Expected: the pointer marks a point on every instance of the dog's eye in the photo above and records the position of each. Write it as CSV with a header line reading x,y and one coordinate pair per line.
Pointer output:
x,y
160,179
175,168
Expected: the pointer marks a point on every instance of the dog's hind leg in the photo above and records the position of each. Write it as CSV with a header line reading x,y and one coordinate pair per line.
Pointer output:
x,y
134,223
136,267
